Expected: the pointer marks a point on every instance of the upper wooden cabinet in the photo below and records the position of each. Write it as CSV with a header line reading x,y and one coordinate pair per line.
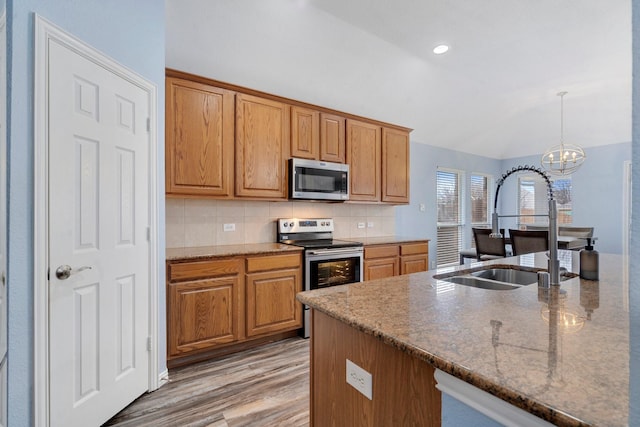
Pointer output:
x,y
225,141
363,157
317,136
199,139
305,133
395,166
332,138
262,147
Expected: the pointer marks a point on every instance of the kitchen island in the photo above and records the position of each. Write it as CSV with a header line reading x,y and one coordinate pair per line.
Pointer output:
x,y
562,356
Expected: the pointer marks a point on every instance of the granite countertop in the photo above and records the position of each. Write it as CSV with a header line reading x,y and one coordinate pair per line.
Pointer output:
x,y
570,373
200,252
385,240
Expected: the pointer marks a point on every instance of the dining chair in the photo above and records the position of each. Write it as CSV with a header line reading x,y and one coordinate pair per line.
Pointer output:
x,y
488,248
527,241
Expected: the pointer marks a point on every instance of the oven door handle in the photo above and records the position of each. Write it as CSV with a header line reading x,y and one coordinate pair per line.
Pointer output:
x,y
341,251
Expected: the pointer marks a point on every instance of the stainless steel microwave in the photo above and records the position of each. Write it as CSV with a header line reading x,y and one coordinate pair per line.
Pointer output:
x,y
317,180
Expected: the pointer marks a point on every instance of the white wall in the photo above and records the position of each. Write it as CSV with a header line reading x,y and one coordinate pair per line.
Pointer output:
x,y
301,53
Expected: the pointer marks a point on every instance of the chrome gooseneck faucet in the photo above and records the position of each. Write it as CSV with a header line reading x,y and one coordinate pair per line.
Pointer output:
x,y
553,264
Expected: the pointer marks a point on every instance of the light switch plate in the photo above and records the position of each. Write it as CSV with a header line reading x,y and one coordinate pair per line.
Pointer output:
x,y
229,227
360,379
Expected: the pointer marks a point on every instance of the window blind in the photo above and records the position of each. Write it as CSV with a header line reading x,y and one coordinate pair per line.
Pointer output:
x,y
448,190
479,199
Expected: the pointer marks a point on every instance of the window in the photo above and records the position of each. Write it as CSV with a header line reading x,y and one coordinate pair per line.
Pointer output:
x,y
480,200
480,203
533,200
449,189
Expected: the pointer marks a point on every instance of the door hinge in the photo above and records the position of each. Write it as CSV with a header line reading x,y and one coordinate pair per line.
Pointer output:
x,y
148,234
148,124
148,343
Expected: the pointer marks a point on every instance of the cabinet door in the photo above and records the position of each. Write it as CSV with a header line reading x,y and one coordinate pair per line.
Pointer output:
x,y
363,157
332,138
305,133
395,166
414,264
202,314
262,147
271,301
380,268
199,139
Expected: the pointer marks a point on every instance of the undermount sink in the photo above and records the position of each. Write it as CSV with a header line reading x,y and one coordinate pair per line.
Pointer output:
x,y
508,275
477,282
498,279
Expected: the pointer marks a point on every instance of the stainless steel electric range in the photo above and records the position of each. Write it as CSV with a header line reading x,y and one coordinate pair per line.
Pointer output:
x,y
327,261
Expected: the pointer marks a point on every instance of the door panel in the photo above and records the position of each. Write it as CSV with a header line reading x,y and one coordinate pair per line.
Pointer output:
x,y
98,219
3,220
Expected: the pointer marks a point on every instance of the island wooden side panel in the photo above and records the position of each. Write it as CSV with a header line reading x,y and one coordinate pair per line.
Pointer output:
x,y
404,389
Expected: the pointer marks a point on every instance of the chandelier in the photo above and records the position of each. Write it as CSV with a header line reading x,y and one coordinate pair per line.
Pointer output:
x,y
563,159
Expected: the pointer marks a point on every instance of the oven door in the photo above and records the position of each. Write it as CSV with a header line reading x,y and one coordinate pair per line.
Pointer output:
x,y
330,267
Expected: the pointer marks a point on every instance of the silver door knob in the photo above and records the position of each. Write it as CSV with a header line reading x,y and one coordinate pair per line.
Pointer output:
x,y
64,271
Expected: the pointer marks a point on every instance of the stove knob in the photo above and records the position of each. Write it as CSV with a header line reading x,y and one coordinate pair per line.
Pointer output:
x,y
322,223
285,224
328,223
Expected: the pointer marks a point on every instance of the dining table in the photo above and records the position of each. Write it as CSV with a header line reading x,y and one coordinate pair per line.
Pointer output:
x,y
564,242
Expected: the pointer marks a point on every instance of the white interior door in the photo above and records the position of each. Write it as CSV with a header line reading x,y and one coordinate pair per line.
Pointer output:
x,y
98,240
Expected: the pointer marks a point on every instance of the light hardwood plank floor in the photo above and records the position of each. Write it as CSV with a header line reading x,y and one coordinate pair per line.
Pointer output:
x,y
264,386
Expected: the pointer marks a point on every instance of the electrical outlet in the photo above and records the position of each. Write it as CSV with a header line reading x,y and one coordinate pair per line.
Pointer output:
x,y
433,265
422,207
360,379
361,225
229,227
370,225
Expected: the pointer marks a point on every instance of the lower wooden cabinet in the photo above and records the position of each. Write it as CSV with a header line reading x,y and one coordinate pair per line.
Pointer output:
x,y
380,262
271,287
390,260
221,302
204,304
414,257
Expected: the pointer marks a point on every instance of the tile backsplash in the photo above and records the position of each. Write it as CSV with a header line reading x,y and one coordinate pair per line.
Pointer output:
x,y
195,222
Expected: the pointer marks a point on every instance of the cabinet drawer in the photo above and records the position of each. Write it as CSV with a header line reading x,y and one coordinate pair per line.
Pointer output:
x,y
203,269
380,251
273,262
414,248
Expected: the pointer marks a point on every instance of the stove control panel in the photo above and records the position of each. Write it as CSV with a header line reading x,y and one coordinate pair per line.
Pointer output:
x,y
300,225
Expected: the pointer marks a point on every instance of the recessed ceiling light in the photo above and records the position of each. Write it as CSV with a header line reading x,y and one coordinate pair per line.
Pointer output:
x,y
440,49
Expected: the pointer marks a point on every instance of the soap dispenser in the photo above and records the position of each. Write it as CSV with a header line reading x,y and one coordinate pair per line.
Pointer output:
x,y
589,260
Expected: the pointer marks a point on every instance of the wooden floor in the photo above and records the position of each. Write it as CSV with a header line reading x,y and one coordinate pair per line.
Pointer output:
x,y
265,386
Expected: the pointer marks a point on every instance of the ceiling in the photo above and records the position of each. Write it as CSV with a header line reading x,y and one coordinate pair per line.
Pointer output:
x,y
493,94
508,59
